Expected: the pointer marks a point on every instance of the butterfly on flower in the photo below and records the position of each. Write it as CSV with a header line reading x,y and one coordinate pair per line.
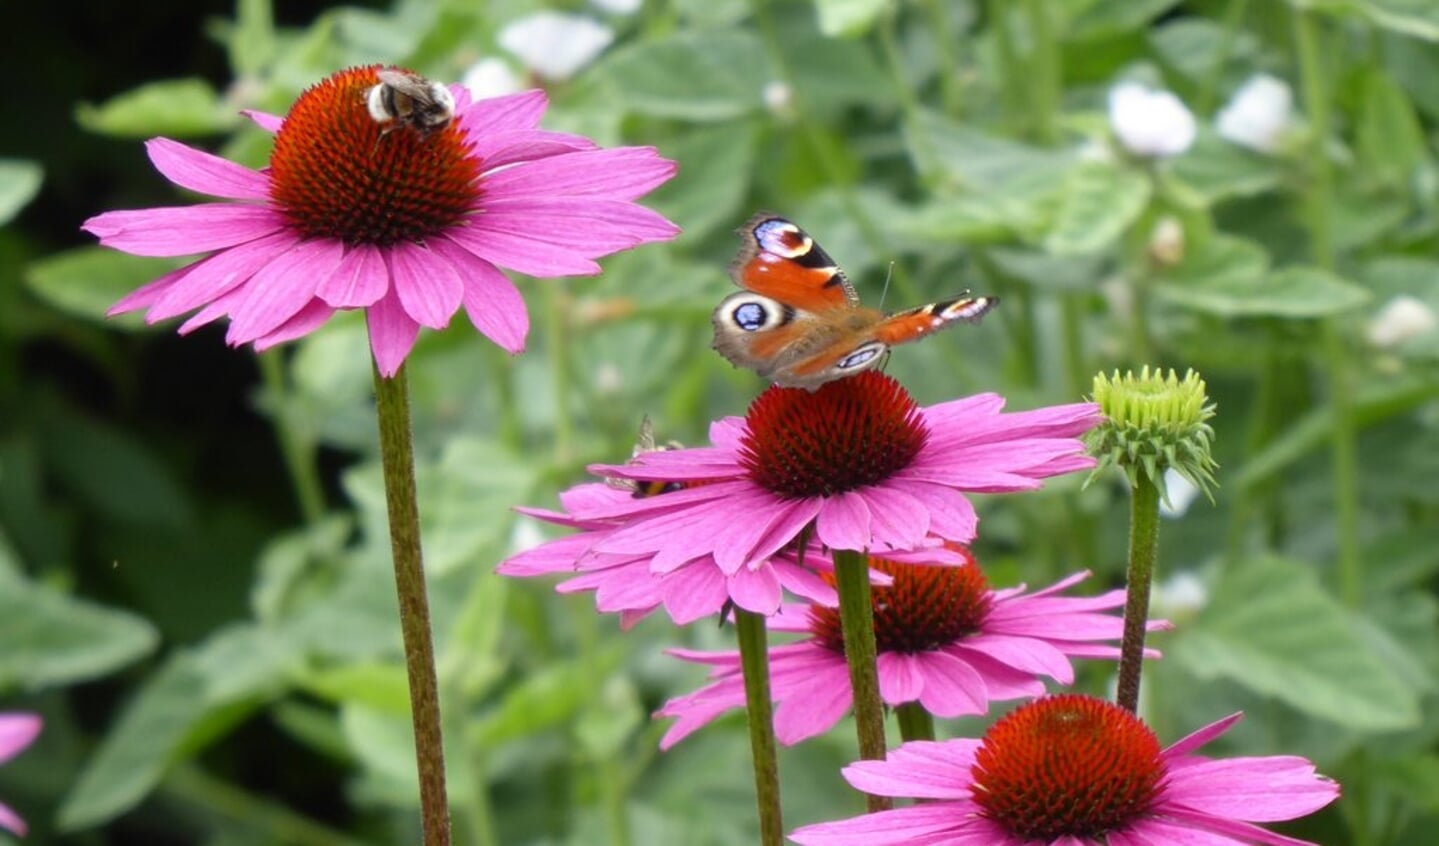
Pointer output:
x,y
798,321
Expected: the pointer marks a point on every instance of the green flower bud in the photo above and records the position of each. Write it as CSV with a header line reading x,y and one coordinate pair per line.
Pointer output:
x,y
1154,423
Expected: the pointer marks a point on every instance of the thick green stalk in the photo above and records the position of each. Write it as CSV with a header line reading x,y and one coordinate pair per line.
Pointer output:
x,y
392,407
1344,449
1143,550
1044,72
856,615
915,723
759,706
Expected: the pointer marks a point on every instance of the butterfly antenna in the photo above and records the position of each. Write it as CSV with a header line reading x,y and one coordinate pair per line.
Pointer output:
x,y
888,277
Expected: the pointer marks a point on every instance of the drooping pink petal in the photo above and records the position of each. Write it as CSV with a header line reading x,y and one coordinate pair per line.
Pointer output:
x,y
901,678
392,333
951,514
218,308
929,825
693,593
358,281
205,173
827,699
183,230
897,519
427,284
281,288
219,274
491,300
619,173
843,522
952,688
1183,827
756,589
146,295
305,321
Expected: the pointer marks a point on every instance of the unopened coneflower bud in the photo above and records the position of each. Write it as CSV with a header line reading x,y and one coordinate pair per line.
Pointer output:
x,y
1154,422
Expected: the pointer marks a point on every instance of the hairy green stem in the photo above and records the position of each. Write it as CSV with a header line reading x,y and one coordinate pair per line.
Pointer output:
x,y
297,448
856,615
759,707
1143,550
392,408
915,723
1344,449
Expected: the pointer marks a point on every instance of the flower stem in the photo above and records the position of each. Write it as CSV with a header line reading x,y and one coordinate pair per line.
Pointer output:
x,y
1343,445
1044,72
856,615
297,448
1143,550
759,707
915,723
392,407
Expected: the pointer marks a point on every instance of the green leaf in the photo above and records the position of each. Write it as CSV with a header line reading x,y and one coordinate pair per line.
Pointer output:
x,y
1217,170
1390,142
381,687
710,189
1272,629
1194,46
612,716
252,39
1099,202
848,17
19,181
1105,18
550,696
1294,292
1417,18
1413,777
178,108
52,639
702,76
87,281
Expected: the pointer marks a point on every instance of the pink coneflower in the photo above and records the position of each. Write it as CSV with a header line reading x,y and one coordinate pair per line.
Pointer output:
x,y
1076,771
946,641
406,224
17,731
858,459
629,585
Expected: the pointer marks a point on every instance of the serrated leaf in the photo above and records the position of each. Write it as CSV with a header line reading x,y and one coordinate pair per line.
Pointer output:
x,y
19,181
178,108
1099,202
87,281
52,639
848,17
1270,628
1294,292
702,76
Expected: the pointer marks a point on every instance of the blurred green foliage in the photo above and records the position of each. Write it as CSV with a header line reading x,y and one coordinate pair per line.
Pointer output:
x,y
194,586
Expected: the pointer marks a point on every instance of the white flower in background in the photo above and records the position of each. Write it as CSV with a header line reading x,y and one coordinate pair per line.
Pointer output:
x,y
1400,319
1179,597
778,98
555,45
1259,114
1181,493
1148,122
618,7
490,78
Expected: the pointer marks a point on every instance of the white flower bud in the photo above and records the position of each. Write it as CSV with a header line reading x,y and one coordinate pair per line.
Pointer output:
x,y
1400,319
490,78
1259,114
1150,123
554,45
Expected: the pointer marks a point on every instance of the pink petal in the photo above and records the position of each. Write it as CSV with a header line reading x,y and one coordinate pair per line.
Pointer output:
x,y
951,514
1193,829
585,226
504,114
756,590
922,769
1030,655
1265,789
900,678
205,173
520,252
11,821
305,321
843,522
898,520
693,593
825,700
281,288
219,274
501,149
392,333
952,688
183,230
219,307
359,280
146,295
428,285
917,824
17,731
264,120
491,300
1199,737
621,173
